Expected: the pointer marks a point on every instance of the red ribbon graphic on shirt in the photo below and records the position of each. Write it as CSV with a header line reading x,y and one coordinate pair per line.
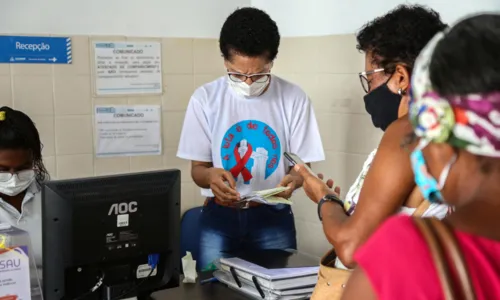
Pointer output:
x,y
240,168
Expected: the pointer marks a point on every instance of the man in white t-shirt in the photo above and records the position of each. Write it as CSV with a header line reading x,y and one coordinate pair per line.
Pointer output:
x,y
235,132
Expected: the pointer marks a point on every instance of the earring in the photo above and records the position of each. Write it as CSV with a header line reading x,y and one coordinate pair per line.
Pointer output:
x,y
400,92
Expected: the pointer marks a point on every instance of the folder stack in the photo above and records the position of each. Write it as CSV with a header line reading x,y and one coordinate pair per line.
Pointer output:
x,y
270,274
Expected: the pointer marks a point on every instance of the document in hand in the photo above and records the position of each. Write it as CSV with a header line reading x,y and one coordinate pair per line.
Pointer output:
x,y
268,196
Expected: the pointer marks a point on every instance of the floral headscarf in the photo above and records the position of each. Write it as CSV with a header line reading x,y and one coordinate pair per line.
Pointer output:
x,y
471,122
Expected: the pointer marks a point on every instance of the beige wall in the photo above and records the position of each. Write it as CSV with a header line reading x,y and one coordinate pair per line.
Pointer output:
x,y
60,100
327,69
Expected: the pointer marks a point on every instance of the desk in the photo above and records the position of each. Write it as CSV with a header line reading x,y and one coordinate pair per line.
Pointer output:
x,y
196,291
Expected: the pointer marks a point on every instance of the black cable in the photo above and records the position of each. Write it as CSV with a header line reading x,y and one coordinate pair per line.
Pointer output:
x,y
135,286
93,289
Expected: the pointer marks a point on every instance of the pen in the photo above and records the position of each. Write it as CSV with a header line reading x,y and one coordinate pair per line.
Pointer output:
x,y
209,280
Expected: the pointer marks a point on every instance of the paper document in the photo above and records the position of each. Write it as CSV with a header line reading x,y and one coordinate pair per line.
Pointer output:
x,y
127,68
15,272
128,130
267,197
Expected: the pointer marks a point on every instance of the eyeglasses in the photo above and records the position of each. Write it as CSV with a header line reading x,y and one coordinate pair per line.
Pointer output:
x,y
259,77
363,77
21,175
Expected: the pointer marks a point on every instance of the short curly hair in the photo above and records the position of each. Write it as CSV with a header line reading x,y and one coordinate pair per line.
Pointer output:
x,y
399,36
250,32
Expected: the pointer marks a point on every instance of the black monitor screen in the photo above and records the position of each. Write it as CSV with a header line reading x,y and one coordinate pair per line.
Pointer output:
x,y
107,228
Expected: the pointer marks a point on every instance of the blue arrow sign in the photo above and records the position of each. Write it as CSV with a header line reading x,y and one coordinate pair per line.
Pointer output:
x,y
35,50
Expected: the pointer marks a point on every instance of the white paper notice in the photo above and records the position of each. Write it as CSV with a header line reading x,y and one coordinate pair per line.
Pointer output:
x,y
127,68
128,130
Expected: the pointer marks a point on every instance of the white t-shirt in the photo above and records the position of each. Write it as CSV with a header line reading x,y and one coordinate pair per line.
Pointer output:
x,y
29,220
247,136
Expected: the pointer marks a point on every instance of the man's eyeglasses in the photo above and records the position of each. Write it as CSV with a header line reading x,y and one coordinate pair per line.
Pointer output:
x,y
363,77
259,77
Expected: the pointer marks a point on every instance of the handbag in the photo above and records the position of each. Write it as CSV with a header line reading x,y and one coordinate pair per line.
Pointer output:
x,y
456,284
331,280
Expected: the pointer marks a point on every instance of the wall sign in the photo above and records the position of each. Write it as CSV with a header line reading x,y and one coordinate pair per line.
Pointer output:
x,y
35,50
123,68
128,130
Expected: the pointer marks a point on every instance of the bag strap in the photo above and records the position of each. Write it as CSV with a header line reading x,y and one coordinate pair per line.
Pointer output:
x,y
455,255
438,257
421,208
417,198
445,249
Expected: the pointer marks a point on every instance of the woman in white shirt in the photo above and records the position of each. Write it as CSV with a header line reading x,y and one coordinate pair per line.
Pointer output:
x,y
21,173
385,186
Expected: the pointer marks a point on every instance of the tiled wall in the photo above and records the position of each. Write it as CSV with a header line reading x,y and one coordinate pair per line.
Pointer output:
x,y
60,100
327,69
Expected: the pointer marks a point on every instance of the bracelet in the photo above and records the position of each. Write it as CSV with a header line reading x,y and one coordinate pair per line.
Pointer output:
x,y
328,198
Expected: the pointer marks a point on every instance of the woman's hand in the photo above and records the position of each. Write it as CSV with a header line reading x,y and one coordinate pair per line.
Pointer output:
x,y
314,186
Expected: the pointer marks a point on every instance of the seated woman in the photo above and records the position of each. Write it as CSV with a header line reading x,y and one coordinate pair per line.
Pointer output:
x,y
21,173
390,43
455,111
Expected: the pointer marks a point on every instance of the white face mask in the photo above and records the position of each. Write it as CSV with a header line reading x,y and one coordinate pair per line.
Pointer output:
x,y
245,90
17,183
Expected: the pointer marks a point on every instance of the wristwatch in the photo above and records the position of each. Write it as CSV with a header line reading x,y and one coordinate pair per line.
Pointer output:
x,y
328,198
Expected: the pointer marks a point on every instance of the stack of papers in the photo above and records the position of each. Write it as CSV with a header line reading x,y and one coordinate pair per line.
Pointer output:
x,y
267,197
248,288
273,279
289,276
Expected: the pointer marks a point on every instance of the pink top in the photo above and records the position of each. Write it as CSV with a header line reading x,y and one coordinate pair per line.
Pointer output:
x,y
399,264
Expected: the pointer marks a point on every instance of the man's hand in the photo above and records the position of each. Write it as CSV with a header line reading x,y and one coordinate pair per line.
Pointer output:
x,y
222,185
314,186
293,182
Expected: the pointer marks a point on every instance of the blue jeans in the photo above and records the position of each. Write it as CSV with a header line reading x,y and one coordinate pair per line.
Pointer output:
x,y
226,230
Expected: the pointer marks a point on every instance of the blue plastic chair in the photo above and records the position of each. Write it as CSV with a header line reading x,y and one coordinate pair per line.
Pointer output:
x,y
190,233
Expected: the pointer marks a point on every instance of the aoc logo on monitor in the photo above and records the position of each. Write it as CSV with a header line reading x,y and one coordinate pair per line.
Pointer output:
x,y
123,208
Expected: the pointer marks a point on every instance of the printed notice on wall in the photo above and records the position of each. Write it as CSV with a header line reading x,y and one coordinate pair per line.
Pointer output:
x,y
123,68
128,130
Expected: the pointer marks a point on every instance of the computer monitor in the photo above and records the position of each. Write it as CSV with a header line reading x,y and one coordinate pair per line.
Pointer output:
x,y
100,234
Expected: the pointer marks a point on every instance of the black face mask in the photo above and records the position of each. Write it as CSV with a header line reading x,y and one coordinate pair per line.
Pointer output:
x,y
383,106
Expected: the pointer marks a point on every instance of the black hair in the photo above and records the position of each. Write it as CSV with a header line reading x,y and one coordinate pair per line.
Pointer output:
x,y
17,131
467,59
250,32
399,36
